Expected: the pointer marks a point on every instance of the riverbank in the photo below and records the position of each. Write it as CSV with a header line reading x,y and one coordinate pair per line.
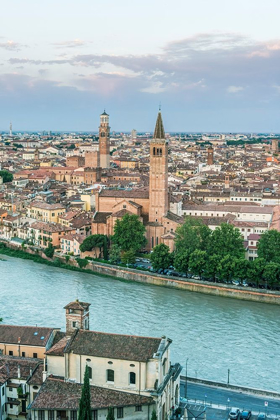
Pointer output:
x,y
128,274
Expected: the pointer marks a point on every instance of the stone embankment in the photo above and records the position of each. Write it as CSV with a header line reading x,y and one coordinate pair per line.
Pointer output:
x,y
128,274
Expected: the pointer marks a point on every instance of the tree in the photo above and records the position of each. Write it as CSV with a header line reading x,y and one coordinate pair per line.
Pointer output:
x,y
255,270
191,236
129,233
269,246
271,273
226,268
226,240
115,253
161,257
84,405
110,415
197,262
96,241
82,262
154,415
49,251
128,257
241,268
6,175
211,268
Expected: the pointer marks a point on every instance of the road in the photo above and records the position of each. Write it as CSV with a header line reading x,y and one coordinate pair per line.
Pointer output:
x,y
228,398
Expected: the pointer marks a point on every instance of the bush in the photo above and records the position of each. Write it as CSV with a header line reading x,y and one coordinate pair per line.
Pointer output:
x,y
82,262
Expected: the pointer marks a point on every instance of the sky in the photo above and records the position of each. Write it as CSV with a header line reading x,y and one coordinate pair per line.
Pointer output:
x,y
213,65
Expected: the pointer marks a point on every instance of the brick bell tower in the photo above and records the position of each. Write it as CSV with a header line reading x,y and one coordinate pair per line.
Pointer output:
x,y
158,190
77,316
104,140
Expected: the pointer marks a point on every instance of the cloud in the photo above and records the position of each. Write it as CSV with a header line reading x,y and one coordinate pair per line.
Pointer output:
x,y
69,44
234,89
11,46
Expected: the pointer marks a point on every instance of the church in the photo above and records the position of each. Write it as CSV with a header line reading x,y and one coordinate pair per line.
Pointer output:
x,y
150,205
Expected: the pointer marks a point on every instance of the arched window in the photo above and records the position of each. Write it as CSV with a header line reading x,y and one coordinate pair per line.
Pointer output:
x,y
177,395
154,151
152,241
164,367
110,375
132,378
157,241
89,372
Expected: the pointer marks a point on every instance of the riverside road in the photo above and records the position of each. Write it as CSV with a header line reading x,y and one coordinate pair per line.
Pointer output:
x,y
227,398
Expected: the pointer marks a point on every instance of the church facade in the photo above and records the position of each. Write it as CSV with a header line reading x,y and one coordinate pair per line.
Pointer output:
x,y
151,205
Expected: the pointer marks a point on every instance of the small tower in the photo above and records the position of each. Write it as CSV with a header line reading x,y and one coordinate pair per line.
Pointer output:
x,y
275,145
104,140
227,182
158,190
11,129
210,157
77,316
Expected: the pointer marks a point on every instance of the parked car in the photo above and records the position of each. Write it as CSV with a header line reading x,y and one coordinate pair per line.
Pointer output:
x,y
234,413
245,415
236,282
261,416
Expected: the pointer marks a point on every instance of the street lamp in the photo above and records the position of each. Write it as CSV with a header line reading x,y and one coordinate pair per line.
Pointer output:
x,y
186,384
228,372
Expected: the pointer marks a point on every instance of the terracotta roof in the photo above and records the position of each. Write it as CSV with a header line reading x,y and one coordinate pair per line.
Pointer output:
x,y
10,364
114,346
58,348
57,394
77,305
100,217
125,193
35,336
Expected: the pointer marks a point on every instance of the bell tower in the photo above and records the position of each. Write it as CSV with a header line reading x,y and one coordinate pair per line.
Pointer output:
x,y
158,190
104,140
77,316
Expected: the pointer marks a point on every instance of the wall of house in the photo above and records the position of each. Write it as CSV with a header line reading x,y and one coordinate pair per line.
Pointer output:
x,y
56,365
18,350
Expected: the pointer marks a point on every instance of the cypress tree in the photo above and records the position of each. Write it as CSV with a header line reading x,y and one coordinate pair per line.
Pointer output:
x,y
84,405
110,415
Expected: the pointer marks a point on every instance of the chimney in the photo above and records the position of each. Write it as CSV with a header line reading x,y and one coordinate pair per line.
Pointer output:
x,y
18,371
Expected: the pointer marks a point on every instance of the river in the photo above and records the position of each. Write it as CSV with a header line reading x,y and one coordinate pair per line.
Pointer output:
x,y
214,333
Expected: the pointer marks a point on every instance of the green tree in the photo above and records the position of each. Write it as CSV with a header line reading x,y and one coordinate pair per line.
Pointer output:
x,y
212,265
154,415
269,246
226,268
192,235
82,262
241,269
115,253
6,175
271,273
181,260
226,240
255,270
110,415
84,405
128,257
49,251
197,262
96,241
129,233
161,257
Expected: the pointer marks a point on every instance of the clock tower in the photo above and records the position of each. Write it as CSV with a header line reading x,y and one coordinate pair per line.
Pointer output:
x,y
104,140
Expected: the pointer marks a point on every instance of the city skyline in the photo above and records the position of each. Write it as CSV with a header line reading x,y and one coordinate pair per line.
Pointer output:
x,y
214,68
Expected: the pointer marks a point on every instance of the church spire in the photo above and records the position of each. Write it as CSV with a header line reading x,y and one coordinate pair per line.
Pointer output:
x,y
159,130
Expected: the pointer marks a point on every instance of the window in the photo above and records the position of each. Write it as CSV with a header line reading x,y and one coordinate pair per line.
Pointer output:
x,y
11,405
35,355
124,206
119,412
11,352
94,414
132,378
3,391
50,415
73,415
110,375
41,415
89,372
74,324
23,354
137,408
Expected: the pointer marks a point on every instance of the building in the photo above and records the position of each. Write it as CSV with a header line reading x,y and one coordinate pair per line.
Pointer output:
x,y
104,141
45,212
275,145
137,367
210,156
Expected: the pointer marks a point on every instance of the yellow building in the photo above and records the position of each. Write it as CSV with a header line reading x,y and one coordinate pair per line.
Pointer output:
x,y
45,212
26,341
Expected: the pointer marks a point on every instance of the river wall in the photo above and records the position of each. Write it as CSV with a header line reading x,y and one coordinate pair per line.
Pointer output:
x,y
128,274
237,388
